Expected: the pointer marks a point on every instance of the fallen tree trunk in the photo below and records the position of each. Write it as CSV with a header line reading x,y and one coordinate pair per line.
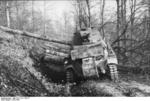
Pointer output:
x,y
32,35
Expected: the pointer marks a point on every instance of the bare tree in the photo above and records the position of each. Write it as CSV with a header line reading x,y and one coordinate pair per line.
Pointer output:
x,y
44,10
132,18
33,15
102,17
8,13
66,21
121,26
83,13
89,12
123,20
118,17
149,17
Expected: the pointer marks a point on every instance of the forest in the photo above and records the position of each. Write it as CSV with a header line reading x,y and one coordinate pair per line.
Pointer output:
x,y
29,28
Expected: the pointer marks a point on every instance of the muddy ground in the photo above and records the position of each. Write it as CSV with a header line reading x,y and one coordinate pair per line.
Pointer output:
x,y
129,86
16,81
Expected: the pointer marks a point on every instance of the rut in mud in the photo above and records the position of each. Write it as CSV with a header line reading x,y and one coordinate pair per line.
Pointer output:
x,y
102,88
107,88
129,85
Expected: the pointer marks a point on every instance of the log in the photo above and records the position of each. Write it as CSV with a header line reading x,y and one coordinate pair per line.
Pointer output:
x,y
32,35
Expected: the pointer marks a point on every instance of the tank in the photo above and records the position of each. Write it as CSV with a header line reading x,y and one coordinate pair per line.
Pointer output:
x,y
89,57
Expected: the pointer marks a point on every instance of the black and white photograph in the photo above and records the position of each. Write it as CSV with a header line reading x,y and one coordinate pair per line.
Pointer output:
x,y
74,48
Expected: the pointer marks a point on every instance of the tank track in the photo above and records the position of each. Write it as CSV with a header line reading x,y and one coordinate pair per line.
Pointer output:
x,y
113,73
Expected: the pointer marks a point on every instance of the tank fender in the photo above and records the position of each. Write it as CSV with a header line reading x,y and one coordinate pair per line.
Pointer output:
x,y
69,67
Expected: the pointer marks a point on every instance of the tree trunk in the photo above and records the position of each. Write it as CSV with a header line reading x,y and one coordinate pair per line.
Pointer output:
x,y
84,13
102,17
33,16
8,13
118,21
79,11
121,26
124,20
17,15
149,19
44,25
89,13
132,10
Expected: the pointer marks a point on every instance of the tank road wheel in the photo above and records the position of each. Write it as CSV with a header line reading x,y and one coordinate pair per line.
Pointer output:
x,y
113,72
69,76
69,81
